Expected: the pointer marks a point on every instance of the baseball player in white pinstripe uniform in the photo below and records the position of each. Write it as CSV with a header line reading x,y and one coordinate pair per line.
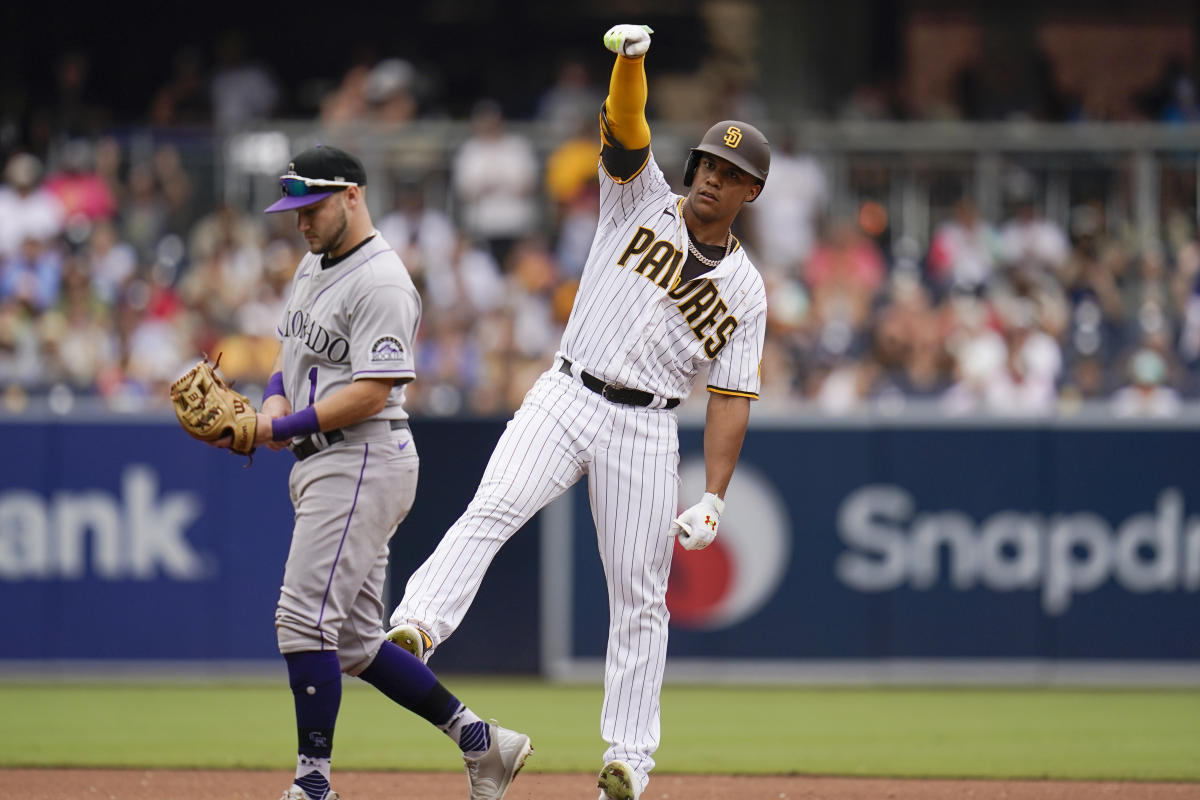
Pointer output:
x,y
336,400
667,290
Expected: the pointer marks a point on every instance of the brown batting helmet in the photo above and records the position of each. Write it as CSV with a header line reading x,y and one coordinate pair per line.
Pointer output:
x,y
739,143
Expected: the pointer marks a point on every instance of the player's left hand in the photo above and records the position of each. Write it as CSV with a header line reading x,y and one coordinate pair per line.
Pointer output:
x,y
697,526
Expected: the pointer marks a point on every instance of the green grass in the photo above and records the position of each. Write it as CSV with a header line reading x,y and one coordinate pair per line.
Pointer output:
x,y
1001,733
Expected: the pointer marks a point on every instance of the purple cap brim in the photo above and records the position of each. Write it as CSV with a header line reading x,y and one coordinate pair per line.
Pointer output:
x,y
289,203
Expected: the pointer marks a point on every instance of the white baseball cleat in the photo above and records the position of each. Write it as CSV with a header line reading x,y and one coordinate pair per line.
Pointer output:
x,y
489,776
294,792
618,781
412,639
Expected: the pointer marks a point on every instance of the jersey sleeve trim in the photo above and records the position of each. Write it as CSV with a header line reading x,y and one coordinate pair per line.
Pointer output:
x,y
386,373
732,392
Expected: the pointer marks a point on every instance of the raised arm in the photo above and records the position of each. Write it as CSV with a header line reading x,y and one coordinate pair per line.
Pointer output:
x,y
624,131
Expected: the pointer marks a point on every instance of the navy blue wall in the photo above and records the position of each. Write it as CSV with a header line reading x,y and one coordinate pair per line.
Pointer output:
x,y
128,541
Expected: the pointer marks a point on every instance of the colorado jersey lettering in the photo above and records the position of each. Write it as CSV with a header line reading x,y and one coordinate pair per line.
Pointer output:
x,y
368,299
635,323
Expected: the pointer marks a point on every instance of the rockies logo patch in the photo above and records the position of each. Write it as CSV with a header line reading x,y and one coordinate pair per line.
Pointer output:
x,y
386,349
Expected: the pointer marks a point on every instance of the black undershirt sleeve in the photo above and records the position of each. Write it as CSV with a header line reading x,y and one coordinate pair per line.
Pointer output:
x,y
621,164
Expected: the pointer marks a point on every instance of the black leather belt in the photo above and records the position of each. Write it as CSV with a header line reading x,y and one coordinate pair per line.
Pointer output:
x,y
612,393
310,445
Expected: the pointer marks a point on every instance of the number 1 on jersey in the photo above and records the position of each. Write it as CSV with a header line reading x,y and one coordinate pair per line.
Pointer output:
x,y
312,385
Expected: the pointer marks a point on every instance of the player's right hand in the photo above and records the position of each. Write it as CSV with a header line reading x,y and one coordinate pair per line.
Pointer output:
x,y
628,40
696,527
275,406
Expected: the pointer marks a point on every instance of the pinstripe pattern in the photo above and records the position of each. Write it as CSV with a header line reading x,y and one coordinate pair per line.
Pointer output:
x,y
631,455
635,323
627,330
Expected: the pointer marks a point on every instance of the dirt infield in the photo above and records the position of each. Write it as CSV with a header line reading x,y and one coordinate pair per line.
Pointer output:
x,y
95,784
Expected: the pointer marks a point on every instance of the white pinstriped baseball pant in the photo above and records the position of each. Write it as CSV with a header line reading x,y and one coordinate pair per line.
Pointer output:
x,y
631,456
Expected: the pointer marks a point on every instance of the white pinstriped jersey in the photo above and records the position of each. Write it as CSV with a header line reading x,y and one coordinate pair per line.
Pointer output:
x,y
634,324
354,319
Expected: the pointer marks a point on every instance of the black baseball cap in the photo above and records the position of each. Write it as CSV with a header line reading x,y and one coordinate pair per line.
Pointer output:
x,y
314,175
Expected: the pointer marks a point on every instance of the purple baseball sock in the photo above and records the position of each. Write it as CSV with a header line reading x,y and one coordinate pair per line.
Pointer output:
x,y
406,680
316,680
401,676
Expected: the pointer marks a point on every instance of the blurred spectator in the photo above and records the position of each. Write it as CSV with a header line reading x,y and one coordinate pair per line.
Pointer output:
x,y
909,343
570,101
175,189
260,315
109,262
448,364
1146,394
1086,382
27,210
80,191
962,253
424,237
1147,298
784,219
347,102
32,277
1097,312
242,91
572,183
390,91
72,114
848,387
466,284
1024,383
185,98
842,276
1029,242
20,362
538,328
85,340
144,217
1174,97
495,177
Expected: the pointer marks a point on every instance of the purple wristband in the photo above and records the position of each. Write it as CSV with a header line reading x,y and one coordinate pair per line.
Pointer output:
x,y
274,386
302,423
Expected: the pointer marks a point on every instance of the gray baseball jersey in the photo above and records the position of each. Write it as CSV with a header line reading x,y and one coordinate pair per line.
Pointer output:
x,y
355,318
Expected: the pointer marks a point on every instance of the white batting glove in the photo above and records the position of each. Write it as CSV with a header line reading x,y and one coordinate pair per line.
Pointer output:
x,y
628,40
697,526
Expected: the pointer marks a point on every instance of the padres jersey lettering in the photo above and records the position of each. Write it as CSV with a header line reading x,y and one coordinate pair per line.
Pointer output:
x,y
633,324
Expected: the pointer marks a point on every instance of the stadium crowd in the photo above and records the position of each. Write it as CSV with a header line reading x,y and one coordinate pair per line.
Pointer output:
x,y
115,274
111,281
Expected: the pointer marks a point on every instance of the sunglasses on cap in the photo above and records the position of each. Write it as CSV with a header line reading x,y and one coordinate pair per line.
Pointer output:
x,y
297,186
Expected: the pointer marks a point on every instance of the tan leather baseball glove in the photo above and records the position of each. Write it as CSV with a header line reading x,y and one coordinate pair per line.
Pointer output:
x,y
209,410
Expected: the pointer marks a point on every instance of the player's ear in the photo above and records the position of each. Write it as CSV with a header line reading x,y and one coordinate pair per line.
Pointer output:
x,y
753,192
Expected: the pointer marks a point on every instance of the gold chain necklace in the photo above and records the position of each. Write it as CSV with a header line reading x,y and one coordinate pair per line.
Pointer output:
x,y
709,262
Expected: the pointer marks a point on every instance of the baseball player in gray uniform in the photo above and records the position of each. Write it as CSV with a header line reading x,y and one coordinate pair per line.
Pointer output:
x,y
666,291
336,399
